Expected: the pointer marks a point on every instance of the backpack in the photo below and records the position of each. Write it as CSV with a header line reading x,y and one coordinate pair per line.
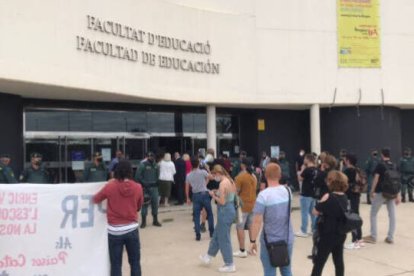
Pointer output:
x,y
361,182
391,183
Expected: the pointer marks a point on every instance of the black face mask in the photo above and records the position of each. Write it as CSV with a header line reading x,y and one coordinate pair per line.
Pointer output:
x,y
38,163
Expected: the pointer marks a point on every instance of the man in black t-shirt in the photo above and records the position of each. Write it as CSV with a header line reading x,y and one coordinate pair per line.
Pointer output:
x,y
377,199
307,176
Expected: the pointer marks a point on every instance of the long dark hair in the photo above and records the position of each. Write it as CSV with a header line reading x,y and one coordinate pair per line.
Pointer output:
x,y
123,170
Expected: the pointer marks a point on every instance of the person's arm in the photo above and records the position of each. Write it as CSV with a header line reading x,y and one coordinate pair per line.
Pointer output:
x,y
374,185
23,177
301,174
139,174
187,192
101,195
238,185
222,198
10,176
255,229
319,207
141,198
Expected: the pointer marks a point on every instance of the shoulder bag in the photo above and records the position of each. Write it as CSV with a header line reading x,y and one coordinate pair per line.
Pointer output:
x,y
351,221
278,251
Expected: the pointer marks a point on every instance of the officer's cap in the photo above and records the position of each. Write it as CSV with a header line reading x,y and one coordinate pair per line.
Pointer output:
x,y
150,154
5,155
407,149
36,155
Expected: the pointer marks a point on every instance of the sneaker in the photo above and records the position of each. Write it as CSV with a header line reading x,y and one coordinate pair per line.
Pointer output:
x,y
227,269
301,234
206,259
389,241
361,243
240,254
352,245
369,239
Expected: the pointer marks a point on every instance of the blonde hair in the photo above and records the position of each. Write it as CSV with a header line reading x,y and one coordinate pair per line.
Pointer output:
x,y
186,157
220,170
167,157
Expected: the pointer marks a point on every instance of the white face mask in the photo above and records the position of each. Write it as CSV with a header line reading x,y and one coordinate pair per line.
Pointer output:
x,y
217,178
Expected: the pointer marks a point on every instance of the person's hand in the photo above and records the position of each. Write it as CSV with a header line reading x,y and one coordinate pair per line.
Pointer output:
x,y
253,249
188,201
211,193
398,200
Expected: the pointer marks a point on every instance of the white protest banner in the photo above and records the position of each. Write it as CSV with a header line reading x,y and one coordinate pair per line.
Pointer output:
x,y
52,230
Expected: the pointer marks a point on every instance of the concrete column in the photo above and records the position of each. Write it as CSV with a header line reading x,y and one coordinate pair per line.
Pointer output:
x,y
315,129
211,128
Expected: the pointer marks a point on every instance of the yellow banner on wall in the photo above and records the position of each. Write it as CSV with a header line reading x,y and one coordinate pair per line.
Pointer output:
x,y
359,43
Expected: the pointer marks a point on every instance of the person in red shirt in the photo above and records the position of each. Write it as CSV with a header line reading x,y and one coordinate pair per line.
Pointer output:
x,y
125,198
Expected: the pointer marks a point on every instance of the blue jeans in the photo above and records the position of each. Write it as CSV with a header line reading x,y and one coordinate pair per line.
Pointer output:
x,y
268,269
116,248
200,201
221,237
306,206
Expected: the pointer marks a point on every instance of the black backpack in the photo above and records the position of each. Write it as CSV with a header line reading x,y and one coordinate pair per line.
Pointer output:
x,y
391,183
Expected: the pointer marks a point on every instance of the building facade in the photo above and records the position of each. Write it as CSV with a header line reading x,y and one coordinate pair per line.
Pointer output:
x,y
183,75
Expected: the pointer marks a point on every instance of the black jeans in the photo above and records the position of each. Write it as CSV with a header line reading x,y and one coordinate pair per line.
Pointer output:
x,y
116,248
354,199
326,245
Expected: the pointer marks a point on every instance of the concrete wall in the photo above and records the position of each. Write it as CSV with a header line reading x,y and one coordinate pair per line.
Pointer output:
x,y
271,53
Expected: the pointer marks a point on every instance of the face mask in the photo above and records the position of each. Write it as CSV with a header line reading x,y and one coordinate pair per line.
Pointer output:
x,y
301,154
37,163
217,178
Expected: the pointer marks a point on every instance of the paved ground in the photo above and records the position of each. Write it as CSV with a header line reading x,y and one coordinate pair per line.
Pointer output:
x,y
172,250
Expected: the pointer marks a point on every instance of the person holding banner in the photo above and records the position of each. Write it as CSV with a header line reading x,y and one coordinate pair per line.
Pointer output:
x,y
125,198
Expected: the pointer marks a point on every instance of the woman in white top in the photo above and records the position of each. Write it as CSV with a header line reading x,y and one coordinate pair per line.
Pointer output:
x,y
166,179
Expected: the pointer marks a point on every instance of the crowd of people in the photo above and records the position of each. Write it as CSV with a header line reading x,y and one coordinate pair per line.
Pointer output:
x,y
253,198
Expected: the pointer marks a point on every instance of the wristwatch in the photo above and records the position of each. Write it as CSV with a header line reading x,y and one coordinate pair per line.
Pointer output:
x,y
252,241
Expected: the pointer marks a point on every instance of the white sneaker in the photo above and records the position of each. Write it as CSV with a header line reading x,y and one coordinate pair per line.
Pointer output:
x,y
206,259
227,269
352,245
361,243
301,234
240,254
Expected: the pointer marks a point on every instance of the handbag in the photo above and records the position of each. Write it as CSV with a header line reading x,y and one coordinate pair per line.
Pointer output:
x,y
278,251
350,220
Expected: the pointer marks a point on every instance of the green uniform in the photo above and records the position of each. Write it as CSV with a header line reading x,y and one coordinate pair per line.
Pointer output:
x,y
95,173
147,174
407,173
236,168
284,166
31,175
6,174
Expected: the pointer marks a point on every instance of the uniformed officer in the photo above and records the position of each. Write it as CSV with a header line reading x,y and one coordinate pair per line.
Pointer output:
x,y
147,174
36,173
407,174
6,173
369,167
96,171
284,166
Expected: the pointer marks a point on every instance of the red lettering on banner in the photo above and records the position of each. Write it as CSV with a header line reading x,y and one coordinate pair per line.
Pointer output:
x,y
10,229
23,198
30,229
9,261
48,261
2,196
